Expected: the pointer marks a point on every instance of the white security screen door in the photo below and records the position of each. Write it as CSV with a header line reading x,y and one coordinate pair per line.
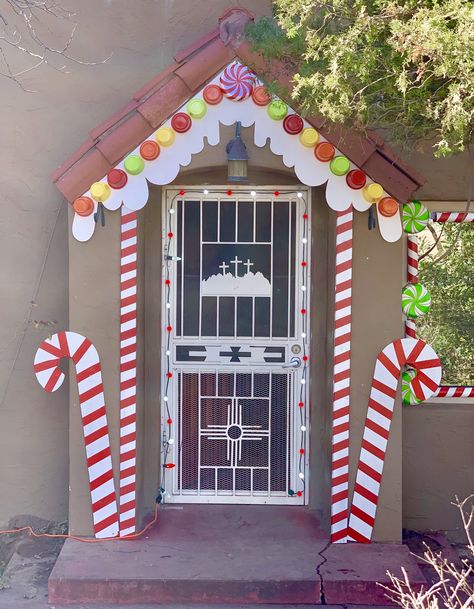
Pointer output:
x,y
236,342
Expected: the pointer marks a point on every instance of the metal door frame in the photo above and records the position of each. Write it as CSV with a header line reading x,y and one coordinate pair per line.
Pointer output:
x,y
264,193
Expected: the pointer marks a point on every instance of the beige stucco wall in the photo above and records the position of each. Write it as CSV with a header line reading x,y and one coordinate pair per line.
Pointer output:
x,y
38,130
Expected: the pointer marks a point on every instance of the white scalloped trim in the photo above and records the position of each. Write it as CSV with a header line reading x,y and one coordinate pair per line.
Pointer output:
x,y
166,167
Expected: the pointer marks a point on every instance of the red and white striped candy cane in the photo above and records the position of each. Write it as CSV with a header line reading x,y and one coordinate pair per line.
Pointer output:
x,y
128,371
451,216
94,418
448,391
412,277
341,378
388,368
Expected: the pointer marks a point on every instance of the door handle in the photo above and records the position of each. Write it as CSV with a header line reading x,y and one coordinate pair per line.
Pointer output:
x,y
295,362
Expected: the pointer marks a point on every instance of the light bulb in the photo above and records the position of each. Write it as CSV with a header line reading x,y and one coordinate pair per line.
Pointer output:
x,y
303,381
206,192
171,211
299,195
171,441
303,428
301,475
168,305
304,240
303,288
303,334
168,352
165,399
253,193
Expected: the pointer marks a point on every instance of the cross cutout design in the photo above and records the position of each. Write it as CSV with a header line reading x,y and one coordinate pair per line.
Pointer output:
x,y
235,354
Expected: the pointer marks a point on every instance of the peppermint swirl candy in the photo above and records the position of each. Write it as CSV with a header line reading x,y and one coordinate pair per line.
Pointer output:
x,y
416,300
408,395
237,82
415,217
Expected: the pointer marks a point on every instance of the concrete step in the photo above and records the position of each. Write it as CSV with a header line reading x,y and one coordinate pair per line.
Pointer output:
x,y
218,555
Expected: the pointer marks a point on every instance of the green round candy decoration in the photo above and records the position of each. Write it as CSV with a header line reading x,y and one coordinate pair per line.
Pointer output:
x,y
277,110
416,300
408,395
415,217
196,108
134,164
339,165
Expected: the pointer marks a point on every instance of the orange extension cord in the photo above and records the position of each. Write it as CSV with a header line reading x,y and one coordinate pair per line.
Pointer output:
x,y
85,539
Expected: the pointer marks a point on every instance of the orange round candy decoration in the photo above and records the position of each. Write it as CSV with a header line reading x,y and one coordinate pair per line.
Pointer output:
x,y
387,207
117,178
324,151
150,150
261,96
181,122
83,206
212,95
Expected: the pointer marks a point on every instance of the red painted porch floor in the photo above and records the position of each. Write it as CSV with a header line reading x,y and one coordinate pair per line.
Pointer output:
x,y
235,554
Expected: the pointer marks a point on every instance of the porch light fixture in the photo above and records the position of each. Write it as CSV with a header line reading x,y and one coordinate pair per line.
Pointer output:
x,y
237,157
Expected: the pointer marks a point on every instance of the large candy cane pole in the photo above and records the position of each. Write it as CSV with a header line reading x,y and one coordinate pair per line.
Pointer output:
x,y
341,378
388,368
412,277
128,370
447,216
94,418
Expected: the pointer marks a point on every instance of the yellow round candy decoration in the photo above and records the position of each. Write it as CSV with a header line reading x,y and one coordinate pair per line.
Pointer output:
x,y
309,137
100,191
165,136
372,192
196,108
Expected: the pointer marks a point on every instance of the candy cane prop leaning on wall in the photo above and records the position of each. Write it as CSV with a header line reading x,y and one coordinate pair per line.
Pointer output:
x,y
94,418
128,370
388,368
341,377
412,277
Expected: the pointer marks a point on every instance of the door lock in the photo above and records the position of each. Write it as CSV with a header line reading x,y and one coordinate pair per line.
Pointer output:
x,y
295,362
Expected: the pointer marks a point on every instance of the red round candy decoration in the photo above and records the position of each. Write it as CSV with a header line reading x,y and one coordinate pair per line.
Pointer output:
x,y
387,207
324,151
169,421
181,122
356,179
293,124
260,96
83,206
149,150
212,95
117,178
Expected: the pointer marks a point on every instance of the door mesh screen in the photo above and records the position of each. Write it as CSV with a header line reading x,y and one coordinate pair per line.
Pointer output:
x,y
235,430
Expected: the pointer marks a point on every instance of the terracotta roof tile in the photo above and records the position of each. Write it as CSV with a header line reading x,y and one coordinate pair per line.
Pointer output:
x,y
88,169
154,82
116,144
69,162
164,101
159,98
205,64
190,50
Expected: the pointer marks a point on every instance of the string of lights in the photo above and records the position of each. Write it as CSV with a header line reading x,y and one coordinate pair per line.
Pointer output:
x,y
170,258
